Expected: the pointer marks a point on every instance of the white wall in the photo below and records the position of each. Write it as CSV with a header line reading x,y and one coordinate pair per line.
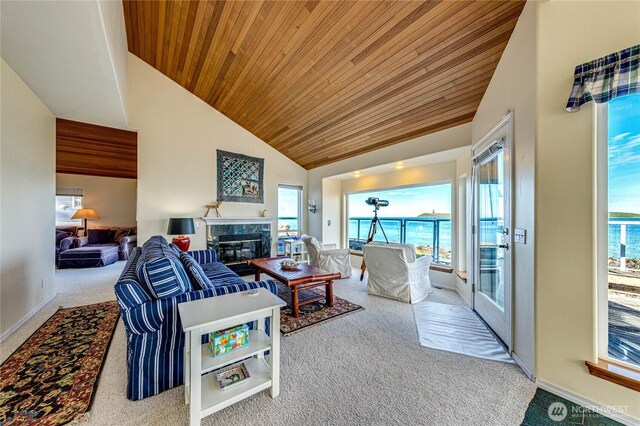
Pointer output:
x,y
512,88
333,206
178,135
566,332
27,212
113,198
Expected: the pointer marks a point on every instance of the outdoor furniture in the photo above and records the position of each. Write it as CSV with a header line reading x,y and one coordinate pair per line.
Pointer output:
x,y
302,278
328,257
396,272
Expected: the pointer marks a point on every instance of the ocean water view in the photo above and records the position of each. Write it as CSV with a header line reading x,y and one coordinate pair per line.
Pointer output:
x,y
421,233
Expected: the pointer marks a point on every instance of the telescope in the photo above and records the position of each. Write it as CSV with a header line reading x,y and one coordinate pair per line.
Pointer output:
x,y
376,202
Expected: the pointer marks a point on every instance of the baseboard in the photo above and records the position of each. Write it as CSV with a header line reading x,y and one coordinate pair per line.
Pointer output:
x,y
600,408
26,318
524,368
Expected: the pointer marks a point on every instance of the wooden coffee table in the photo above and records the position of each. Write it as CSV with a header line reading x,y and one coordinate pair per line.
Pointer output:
x,y
305,277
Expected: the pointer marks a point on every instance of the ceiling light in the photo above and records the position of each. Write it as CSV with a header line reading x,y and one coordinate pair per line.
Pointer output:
x,y
356,174
399,165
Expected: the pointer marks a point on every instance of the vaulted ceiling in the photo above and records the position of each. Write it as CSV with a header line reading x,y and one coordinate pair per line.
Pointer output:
x,y
326,80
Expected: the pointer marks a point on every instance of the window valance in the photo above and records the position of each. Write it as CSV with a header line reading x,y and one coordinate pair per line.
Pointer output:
x,y
606,78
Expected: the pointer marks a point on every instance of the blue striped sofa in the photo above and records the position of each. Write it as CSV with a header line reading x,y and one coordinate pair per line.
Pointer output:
x,y
155,341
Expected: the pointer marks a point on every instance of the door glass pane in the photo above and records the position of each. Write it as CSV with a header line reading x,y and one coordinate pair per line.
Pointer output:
x,y
491,227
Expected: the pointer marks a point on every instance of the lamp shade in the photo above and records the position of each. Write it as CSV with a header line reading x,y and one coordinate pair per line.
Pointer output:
x,y
85,214
181,226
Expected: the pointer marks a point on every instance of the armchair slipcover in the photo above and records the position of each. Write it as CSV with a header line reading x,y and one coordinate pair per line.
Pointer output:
x,y
327,256
396,272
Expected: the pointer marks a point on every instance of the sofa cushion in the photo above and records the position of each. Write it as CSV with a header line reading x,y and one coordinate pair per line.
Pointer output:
x,y
199,279
164,277
219,274
175,249
61,235
100,236
121,233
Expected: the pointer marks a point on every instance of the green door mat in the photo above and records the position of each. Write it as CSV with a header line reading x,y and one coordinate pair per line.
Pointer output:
x,y
547,409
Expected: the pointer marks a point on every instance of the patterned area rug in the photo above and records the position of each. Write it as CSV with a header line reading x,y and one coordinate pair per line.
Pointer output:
x,y
313,313
51,378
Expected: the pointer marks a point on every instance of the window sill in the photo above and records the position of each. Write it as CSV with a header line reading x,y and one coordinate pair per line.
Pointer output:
x,y
441,268
462,275
615,373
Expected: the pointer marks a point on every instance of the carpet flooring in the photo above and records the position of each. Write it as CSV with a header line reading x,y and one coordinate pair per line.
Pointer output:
x,y
364,369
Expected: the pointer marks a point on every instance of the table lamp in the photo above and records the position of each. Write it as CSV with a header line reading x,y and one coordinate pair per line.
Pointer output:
x,y
180,227
85,214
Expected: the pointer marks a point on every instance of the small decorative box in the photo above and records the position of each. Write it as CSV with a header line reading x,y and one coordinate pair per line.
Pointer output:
x,y
224,341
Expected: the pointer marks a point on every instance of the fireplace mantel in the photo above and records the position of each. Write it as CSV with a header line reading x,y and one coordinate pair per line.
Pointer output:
x,y
236,220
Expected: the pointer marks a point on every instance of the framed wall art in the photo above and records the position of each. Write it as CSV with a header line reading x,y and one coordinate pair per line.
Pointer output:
x,y
240,178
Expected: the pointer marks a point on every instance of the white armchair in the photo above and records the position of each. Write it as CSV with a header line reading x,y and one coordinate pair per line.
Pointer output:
x,y
396,272
327,256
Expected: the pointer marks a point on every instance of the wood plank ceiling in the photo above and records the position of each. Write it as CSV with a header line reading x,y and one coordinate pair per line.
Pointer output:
x,y
88,149
326,80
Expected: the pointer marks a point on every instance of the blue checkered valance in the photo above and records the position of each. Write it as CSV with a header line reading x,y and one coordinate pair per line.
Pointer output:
x,y
606,78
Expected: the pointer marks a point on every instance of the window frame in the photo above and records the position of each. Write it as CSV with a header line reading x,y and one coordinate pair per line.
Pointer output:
x,y
601,236
74,192
300,219
452,203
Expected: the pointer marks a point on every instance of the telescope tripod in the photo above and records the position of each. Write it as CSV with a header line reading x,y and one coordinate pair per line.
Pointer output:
x,y
373,229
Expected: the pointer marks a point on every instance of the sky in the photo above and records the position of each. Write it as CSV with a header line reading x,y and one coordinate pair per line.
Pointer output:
x,y
404,202
287,202
624,154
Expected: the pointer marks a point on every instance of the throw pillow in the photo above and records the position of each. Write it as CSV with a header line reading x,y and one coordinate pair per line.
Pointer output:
x,y
61,235
165,278
121,233
195,272
99,236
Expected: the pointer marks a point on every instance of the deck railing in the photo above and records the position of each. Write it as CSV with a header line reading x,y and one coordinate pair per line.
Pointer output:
x,y
402,230
623,240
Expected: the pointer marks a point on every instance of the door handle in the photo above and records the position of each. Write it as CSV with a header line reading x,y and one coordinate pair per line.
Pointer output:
x,y
504,246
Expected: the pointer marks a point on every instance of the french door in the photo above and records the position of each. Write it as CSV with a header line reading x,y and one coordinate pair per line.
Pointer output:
x,y
492,284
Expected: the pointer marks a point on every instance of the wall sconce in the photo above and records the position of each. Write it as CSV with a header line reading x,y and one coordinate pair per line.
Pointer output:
x,y
313,207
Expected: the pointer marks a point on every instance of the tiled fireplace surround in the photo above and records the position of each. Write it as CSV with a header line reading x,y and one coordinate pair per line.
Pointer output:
x,y
237,240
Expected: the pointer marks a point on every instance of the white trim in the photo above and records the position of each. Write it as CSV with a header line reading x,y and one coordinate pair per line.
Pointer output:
x,y
524,368
601,232
27,317
236,220
587,403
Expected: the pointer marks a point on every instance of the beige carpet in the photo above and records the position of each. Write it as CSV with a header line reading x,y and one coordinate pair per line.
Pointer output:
x,y
364,369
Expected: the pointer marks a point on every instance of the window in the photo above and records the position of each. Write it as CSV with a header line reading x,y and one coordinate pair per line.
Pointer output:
x,y
66,206
619,219
420,216
289,213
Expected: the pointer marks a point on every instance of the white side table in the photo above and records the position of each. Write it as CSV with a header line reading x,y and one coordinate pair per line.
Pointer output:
x,y
295,249
200,317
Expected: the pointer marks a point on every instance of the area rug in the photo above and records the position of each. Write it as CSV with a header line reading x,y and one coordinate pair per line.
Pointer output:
x,y
313,313
458,329
51,378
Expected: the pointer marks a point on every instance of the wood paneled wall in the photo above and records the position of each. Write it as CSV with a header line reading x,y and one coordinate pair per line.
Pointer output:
x,y
88,149
324,80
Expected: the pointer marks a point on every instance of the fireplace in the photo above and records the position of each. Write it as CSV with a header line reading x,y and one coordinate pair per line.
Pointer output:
x,y
235,243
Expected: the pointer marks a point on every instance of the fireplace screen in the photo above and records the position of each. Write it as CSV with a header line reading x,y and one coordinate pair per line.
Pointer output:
x,y
237,249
